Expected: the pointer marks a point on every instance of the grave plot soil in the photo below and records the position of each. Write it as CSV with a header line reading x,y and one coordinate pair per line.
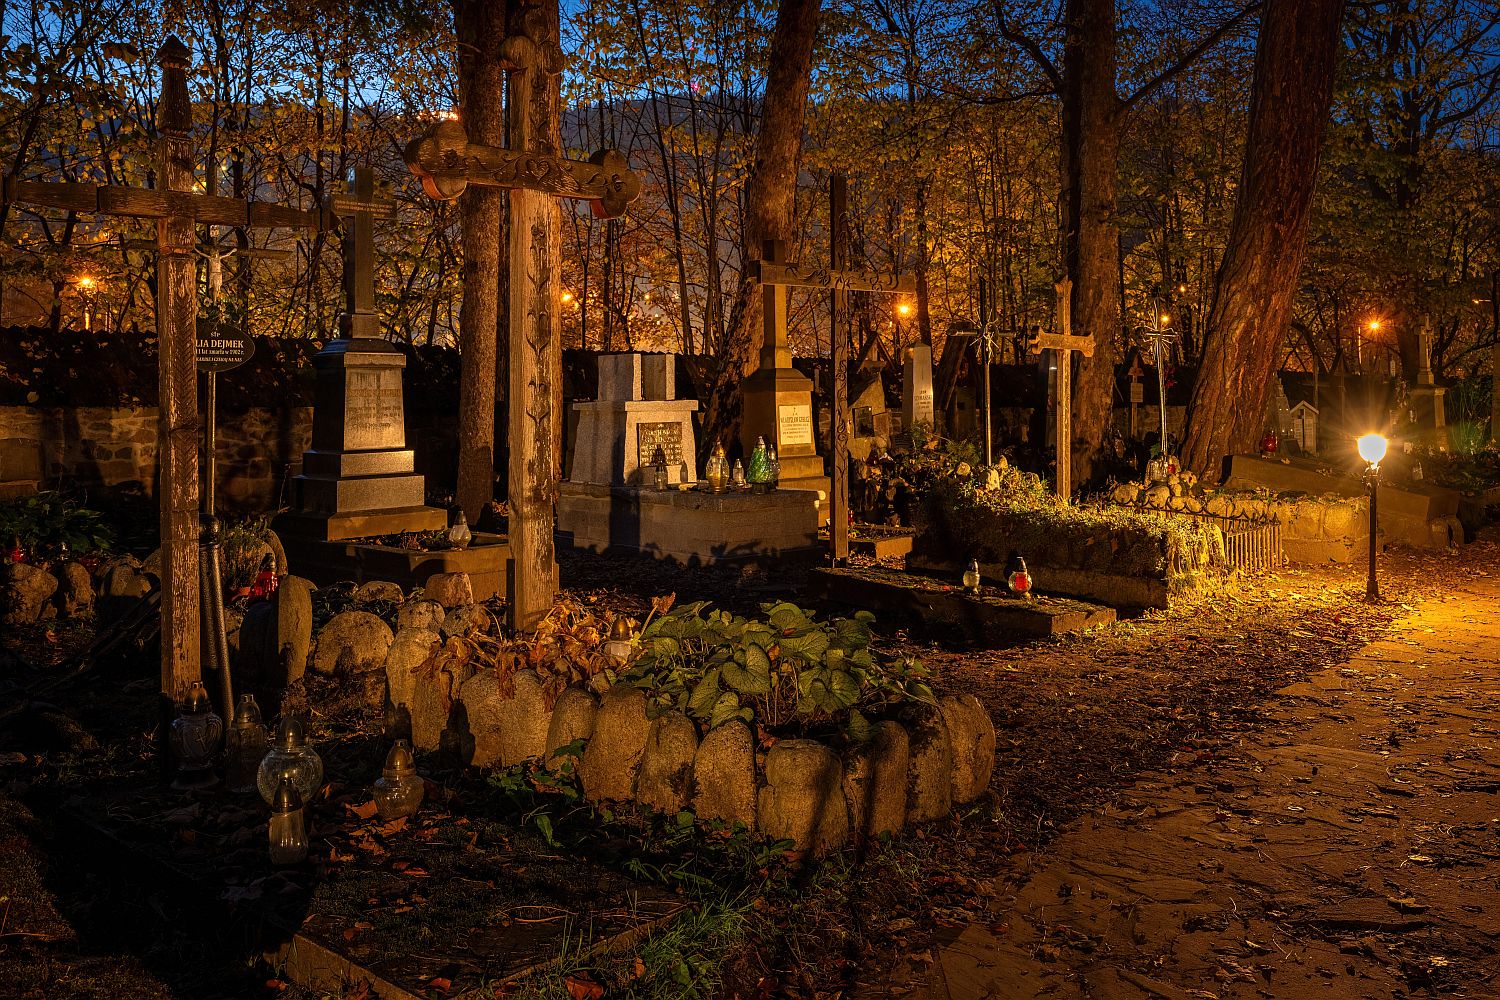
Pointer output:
x,y
1142,724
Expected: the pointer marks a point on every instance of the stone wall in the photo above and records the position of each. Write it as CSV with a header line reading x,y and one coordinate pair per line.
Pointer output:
x,y
113,446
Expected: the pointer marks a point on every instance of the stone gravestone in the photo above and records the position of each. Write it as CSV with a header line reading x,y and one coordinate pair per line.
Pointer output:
x,y
1428,413
637,411
916,388
358,479
610,502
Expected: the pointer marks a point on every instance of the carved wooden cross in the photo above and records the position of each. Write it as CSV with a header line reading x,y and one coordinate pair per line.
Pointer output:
x,y
177,209
1062,342
447,162
776,276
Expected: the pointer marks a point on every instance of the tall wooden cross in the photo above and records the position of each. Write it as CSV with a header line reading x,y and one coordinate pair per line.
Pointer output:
x,y
1063,344
776,276
177,209
447,162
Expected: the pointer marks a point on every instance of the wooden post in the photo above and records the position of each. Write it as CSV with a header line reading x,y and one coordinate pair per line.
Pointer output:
x,y
1063,344
843,420
535,175
535,358
176,327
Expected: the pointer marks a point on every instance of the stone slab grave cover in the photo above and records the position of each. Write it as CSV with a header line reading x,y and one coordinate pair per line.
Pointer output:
x,y
636,412
1416,514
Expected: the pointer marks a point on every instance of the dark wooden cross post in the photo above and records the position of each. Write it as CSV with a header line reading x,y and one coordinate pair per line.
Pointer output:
x,y
177,209
837,278
533,173
1063,344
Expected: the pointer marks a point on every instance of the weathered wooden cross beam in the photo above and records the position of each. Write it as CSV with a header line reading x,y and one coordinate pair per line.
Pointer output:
x,y
177,209
533,174
1063,344
776,277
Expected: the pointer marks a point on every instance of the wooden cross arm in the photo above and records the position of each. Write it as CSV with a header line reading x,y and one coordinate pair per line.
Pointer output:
x,y
447,163
1063,342
149,203
772,273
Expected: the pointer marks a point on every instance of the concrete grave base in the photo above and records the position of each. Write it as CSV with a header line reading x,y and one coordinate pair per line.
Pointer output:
x,y
691,527
985,618
486,561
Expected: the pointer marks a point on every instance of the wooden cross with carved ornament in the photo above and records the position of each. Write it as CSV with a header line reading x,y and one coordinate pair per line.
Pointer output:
x,y
533,174
1063,344
177,209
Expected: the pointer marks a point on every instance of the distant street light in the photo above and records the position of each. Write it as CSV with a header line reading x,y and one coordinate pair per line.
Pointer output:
x,y
1372,448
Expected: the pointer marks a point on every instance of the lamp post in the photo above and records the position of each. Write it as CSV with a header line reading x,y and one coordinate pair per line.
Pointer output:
x,y
87,290
1160,335
1372,449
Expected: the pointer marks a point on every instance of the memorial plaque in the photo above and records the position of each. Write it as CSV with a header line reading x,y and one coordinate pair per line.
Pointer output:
x,y
794,425
220,348
1137,392
666,436
372,409
864,421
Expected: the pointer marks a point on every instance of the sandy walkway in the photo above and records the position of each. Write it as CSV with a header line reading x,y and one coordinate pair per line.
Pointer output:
x,y
1350,848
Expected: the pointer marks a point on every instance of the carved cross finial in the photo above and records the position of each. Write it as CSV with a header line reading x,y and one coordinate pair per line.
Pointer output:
x,y
358,206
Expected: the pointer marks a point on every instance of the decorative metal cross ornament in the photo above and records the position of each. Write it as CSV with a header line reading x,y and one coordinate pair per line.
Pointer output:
x,y
1062,342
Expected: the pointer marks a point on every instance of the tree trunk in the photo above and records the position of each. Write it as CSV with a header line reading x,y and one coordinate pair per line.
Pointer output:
x,y
770,203
1091,239
480,27
1295,59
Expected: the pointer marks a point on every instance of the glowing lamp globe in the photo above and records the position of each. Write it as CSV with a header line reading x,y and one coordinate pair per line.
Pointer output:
x,y
1372,448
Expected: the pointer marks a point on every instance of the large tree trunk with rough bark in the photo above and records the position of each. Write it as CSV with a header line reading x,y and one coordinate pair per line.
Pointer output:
x,y
1295,59
770,203
480,27
1091,112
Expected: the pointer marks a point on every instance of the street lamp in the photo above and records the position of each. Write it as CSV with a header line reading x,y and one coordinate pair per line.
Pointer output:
x,y
1372,449
87,292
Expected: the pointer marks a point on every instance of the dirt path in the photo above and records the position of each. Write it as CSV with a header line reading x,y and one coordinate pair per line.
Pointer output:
x,y
1348,848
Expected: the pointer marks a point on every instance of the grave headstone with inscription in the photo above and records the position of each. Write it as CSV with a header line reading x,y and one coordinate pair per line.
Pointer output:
x,y
609,502
916,388
637,412
1427,414
358,479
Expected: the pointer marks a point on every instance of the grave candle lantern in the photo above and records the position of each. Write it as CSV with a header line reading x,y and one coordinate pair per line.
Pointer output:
x,y
287,831
459,536
196,733
971,577
245,745
737,476
774,465
291,756
1020,580
659,467
758,473
716,471
619,647
398,790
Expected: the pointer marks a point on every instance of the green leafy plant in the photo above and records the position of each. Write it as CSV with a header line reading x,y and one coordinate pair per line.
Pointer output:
x,y
45,522
789,669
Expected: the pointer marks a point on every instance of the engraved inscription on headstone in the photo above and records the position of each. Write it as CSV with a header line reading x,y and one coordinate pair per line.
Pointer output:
x,y
666,436
369,410
794,425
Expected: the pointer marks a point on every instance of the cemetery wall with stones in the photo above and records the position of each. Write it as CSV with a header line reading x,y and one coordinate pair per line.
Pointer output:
x,y
913,768
1313,528
113,446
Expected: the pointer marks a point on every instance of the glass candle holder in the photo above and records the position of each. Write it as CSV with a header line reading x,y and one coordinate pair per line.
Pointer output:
x,y
197,734
287,832
290,756
244,745
716,470
971,577
398,790
459,536
618,647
